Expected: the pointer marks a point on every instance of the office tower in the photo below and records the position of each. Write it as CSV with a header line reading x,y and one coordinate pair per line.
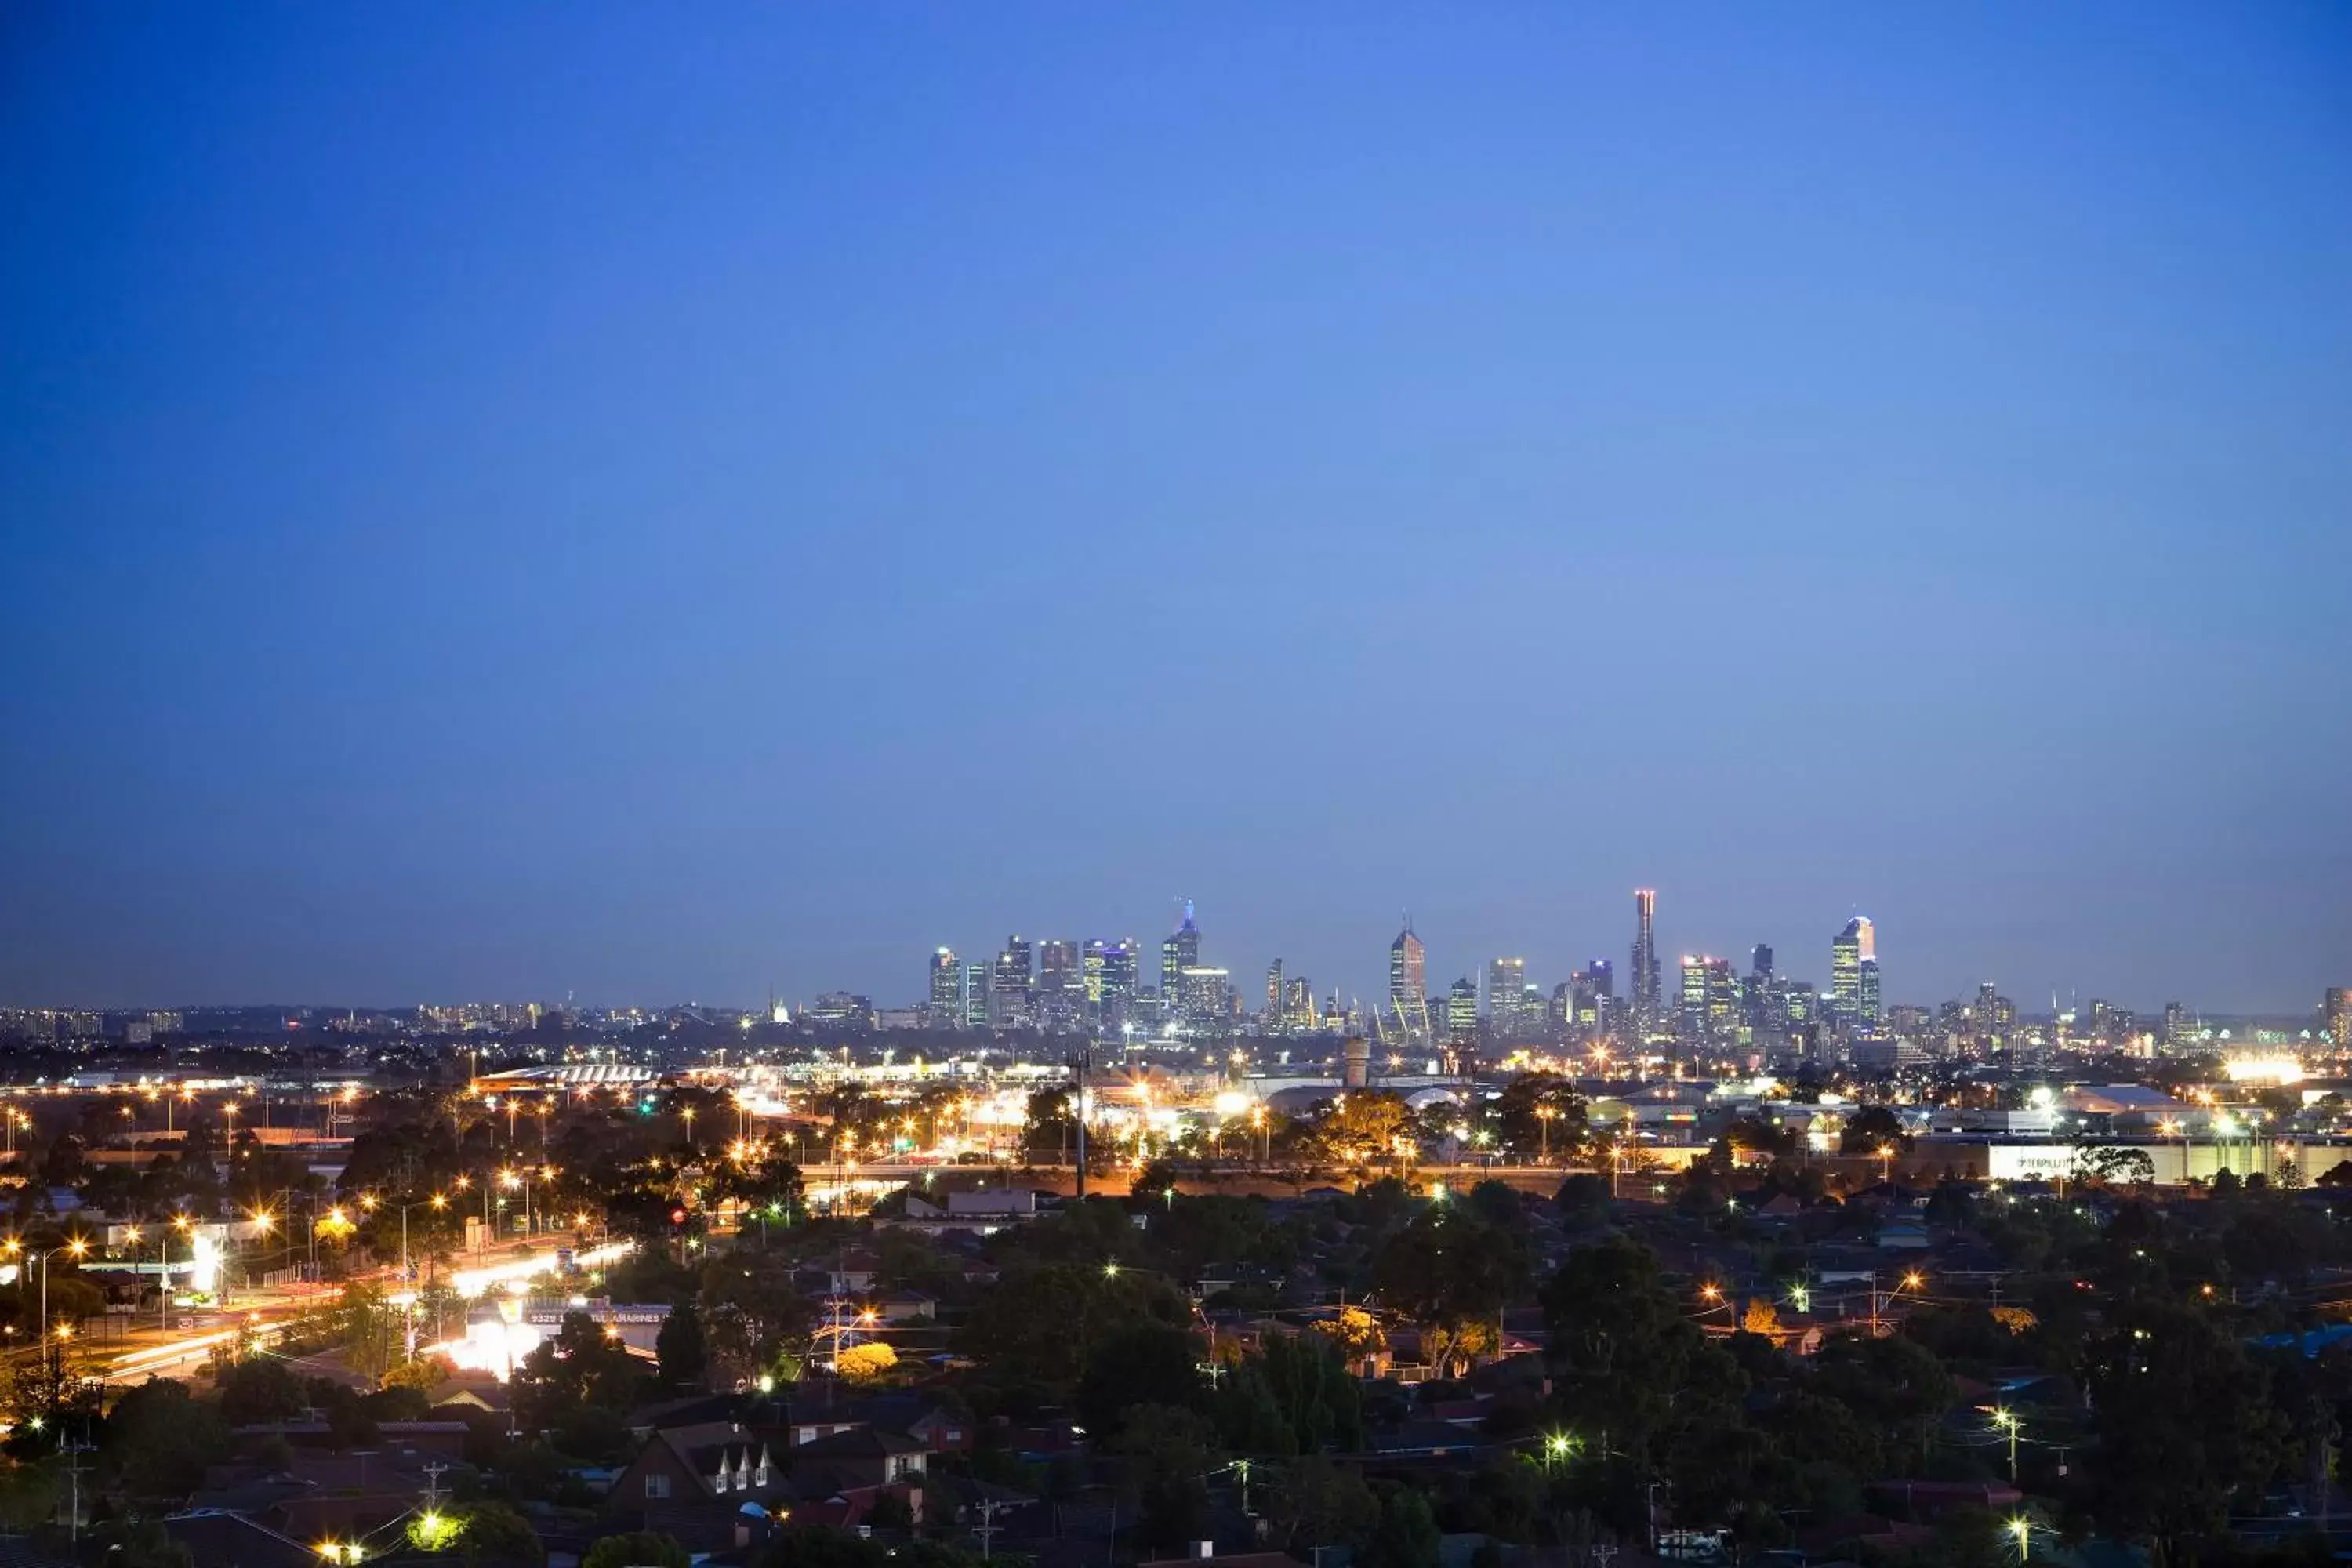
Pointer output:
x,y
2336,1008
1115,961
1061,996
975,996
1854,974
1179,952
2176,1025
1645,957
1507,984
1759,963
1408,1012
1462,1012
1273,1023
1690,1015
1588,995
946,991
1205,997
1011,988
1298,1014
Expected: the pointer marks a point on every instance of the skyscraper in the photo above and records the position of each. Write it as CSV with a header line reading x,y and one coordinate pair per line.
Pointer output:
x,y
975,996
1645,957
1011,987
1179,952
1061,996
1409,987
1273,1022
2337,1008
1854,974
1507,984
946,1011
1462,1012
1121,975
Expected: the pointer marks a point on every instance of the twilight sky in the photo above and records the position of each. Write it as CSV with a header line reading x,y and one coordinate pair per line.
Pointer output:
x,y
665,504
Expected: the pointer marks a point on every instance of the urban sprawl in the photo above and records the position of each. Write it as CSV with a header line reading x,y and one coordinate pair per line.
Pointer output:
x,y
1092,1256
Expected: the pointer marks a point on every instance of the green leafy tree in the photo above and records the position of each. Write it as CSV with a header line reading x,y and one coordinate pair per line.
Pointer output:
x,y
580,1364
1169,1453
158,1440
638,1549
1451,1273
1145,1363
1622,1353
258,1391
678,1349
493,1535
2180,1425
1320,1503
1407,1536
1539,1112
1869,1129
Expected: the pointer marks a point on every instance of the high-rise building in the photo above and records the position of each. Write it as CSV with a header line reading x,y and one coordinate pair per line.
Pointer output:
x,y
1407,1013
1276,994
1854,974
1690,1015
1111,977
1507,985
946,1011
975,996
1012,987
1462,1012
1299,1013
2176,1025
1759,963
2337,1008
1207,997
1179,952
1645,957
1061,994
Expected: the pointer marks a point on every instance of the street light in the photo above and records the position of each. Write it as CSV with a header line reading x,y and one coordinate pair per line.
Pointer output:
x,y
2007,1421
2020,1529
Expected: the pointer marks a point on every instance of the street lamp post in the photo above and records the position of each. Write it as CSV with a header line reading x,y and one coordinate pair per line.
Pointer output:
x,y
2007,1420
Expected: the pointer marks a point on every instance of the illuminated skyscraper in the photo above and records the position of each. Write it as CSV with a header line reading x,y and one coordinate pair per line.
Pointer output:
x,y
1854,974
1061,996
1407,1013
1462,1012
2337,1008
1011,988
1645,957
975,996
1275,995
946,1011
1179,952
1507,985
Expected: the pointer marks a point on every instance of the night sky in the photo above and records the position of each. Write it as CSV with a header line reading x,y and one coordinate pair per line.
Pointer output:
x,y
662,504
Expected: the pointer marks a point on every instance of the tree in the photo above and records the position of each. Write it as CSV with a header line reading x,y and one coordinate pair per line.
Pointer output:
x,y
1407,1536
2117,1167
1323,1504
495,1536
1452,1274
868,1362
1871,1128
1170,1453
1363,1127
158,1441
638,1549
1583,1200
678,1349
258,1391
1040,1324
1050,1132
579,1366
1146,1363
1622,1353
2181,1423
1540,1111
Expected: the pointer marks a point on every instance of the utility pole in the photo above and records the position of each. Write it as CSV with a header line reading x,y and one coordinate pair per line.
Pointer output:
x,y
1078,1115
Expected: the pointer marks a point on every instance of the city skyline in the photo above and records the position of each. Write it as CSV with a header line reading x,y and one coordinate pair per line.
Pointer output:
x,y
1146,961
771,496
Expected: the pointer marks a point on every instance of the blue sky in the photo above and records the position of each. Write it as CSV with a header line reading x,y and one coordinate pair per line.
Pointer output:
x,y
588,499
